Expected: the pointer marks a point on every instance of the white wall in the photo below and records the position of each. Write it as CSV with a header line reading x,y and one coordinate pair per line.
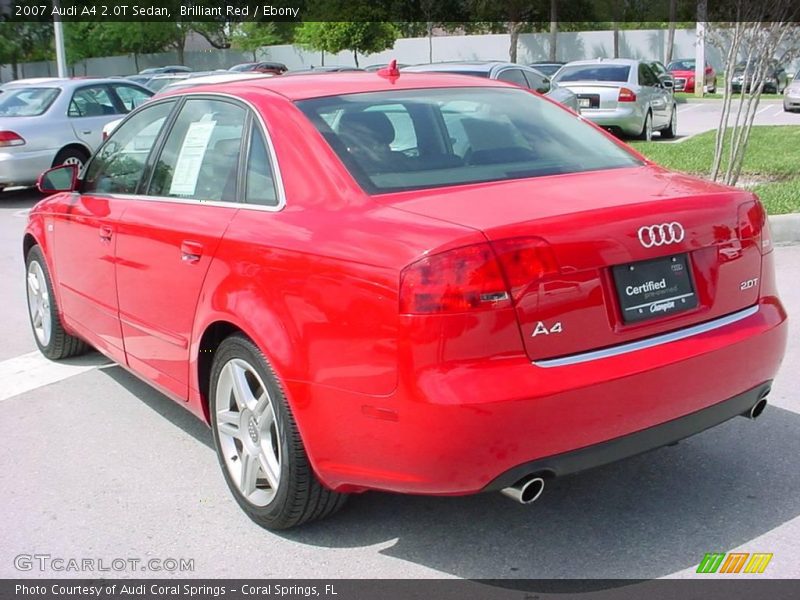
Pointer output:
x,y
649,43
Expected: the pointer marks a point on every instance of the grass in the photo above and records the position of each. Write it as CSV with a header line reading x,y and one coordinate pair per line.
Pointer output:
x,y
771,165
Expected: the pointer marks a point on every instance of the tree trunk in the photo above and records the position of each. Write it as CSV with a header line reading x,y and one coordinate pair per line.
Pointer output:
x,y
673,15
513,30
616,39
355,57
14,68
553,29
430,42
180,47
136,61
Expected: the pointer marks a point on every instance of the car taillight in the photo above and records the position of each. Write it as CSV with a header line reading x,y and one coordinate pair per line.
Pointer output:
x,y
476,277
754,225
10,138
523,261
626,95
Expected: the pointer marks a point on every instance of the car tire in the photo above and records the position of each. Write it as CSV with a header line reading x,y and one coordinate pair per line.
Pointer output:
x,y
48,330
713,88
71,156
647,128
671,129
258,443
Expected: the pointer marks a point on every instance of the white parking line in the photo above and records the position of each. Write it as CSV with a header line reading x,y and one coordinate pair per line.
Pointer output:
x,y
688,107
30,371
758,112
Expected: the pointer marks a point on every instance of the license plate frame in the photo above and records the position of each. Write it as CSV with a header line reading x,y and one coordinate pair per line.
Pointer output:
x,y
654,288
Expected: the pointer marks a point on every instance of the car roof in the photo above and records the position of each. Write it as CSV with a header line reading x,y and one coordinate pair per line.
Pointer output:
x,y
606,61
68,84
306,86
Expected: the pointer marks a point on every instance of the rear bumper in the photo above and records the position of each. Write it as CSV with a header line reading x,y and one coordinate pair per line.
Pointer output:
x,y
18,167
628,119
635,443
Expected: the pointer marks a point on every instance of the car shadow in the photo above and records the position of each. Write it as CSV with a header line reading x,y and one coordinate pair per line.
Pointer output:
x,y
19,198
645,517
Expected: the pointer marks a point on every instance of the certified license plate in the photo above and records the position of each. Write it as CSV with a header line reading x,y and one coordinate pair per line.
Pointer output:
x,y
654,288
584,102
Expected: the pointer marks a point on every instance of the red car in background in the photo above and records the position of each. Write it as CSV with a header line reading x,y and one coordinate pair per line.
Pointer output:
x,y
682,71
420,283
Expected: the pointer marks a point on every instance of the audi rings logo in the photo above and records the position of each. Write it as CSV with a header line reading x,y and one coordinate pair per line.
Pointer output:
x,y
661,235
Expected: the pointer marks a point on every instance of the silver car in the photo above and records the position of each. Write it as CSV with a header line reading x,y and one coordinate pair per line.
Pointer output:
x,y
521,75
623,95
50,123
791,95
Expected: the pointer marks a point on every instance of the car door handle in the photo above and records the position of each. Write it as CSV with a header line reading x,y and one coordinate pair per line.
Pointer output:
x,y
191,251
87,132
105,233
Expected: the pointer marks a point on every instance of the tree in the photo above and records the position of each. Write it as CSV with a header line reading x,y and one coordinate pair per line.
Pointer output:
x,y
365,37
24,41
673,16
252,35
553,29
761,33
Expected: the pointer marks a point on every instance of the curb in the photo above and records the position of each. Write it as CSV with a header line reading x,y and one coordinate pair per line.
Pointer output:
x,y
785,229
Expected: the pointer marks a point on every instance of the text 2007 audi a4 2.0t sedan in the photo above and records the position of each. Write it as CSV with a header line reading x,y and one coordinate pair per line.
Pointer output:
x,y
429,284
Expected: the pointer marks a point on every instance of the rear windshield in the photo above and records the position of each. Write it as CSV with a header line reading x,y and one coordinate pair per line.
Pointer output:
x,y
594,73
681,65
27,101
415,139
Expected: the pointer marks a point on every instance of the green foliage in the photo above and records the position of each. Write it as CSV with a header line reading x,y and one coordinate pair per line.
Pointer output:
x,y
252,35
365,37
25,41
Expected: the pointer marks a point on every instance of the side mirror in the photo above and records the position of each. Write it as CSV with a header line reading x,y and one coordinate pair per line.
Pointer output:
x,y
546,86
58,179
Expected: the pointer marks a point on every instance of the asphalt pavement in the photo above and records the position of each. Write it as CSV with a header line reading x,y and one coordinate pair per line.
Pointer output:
x,y
699,116
97,465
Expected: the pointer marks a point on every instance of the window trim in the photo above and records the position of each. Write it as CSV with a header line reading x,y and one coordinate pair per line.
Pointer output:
x,y
158,147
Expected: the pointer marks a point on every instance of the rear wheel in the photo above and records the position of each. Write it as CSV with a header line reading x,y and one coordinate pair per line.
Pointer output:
x,y
71,156
647,128
713,87
258,445
672,128
51,338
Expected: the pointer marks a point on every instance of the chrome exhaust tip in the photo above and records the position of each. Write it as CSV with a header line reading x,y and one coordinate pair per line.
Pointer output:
x,y
757,408
526,491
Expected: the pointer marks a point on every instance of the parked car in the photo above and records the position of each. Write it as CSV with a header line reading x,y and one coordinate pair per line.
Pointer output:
x,y
623,95
791,95
58,122
167,69
547,68
422,284
683,72
323,69
187,82
276,68
520,75
775,78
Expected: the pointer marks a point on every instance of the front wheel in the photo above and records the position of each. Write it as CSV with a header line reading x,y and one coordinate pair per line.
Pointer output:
x,y
48,330
258,444
71,156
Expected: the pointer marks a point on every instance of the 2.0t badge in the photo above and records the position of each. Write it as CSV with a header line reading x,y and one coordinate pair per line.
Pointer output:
x,y
661,235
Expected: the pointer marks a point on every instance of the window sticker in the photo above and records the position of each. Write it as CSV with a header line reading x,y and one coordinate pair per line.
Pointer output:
x,y
187,168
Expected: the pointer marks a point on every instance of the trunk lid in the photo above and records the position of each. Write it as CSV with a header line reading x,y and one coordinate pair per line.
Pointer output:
x,y
595,94
591,223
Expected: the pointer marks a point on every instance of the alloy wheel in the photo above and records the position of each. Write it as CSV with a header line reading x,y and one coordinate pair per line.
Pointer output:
x,y
249,438
39,303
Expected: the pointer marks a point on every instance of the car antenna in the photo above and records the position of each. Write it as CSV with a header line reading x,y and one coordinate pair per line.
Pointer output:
x,y
390,72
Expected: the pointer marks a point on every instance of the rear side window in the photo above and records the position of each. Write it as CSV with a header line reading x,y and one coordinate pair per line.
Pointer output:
x,y
118,166
416,139
131,96
513,76
595,72
260,182
200,159
92,102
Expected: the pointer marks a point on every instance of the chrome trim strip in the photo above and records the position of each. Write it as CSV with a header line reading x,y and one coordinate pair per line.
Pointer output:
x,y
665,338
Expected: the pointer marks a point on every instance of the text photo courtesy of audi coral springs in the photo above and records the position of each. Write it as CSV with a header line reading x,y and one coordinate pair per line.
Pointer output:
x,y
409,282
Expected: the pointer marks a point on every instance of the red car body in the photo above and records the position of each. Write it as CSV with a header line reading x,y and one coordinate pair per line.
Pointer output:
x,y
547,379
685,78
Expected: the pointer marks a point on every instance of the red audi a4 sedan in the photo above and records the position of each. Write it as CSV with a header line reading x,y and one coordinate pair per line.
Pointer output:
x,y
418,283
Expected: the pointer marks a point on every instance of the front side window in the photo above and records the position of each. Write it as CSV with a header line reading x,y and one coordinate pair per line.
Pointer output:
x,y
118,166
463,135
92,102
131,96
200,159
27,102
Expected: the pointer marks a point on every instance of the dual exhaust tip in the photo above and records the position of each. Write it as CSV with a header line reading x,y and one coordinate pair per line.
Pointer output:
x,y
529,489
